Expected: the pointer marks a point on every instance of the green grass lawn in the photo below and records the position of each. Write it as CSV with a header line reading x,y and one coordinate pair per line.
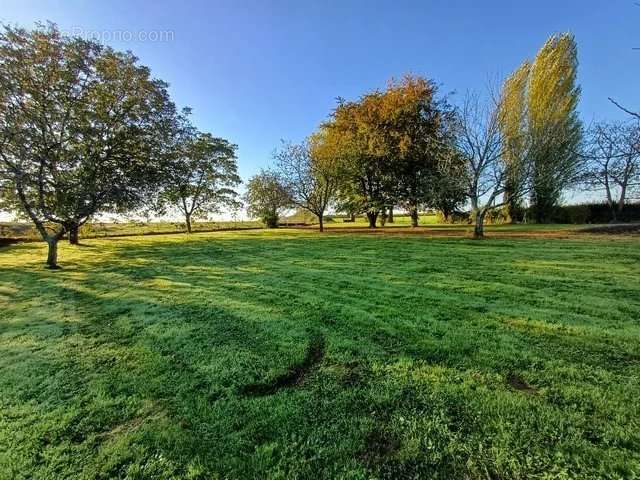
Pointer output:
x,y
290,354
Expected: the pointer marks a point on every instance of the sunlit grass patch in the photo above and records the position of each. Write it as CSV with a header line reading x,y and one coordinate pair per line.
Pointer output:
x,y
290,354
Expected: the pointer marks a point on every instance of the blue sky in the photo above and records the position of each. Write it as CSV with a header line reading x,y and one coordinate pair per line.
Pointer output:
x,y
258,71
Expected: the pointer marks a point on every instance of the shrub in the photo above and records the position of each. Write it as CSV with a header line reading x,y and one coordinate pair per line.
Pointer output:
x,y
270,219
454,218
496,216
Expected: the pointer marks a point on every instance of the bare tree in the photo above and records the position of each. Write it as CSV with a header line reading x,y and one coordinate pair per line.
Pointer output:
x,y
481,144
613,162
310,178
635,115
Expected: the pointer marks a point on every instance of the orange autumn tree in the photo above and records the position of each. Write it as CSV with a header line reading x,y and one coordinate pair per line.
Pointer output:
x,y
391,144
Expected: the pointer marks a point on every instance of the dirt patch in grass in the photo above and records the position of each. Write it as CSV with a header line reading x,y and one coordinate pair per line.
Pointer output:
x,y
353,374
378,446
295,375
518,383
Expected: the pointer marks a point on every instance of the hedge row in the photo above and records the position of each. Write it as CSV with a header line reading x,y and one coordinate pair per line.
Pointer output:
x,y
595,213
584,213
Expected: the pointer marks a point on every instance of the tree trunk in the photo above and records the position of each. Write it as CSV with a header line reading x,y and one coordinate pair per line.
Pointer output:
x,y
414,216
618,212
620,206
446,212
511,206
73,234
373,217
614,212
271,219
478,231
390,215
321,220
353,217
52,255
187,218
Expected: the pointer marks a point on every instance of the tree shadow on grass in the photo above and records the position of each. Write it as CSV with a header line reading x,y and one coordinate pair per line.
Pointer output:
x,y
182,357
295,374
188,326
294,284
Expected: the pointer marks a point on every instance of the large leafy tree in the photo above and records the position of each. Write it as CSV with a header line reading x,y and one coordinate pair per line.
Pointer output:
x,y
553,125
352,134
201,173
390,143
419,137
80,129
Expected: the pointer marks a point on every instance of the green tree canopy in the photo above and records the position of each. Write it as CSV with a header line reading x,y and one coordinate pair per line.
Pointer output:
x,y
266,198
308,174
201,173
390,144
513,125
81,129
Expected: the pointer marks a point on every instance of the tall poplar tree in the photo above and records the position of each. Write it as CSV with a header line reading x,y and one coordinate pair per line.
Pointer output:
x,y
513,124
554,127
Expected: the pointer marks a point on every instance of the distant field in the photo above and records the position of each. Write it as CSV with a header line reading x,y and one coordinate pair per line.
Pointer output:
x,y
398,220
109,229
106,229
289,354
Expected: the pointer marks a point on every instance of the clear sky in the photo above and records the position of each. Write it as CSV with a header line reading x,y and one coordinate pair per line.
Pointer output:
x,y
258,71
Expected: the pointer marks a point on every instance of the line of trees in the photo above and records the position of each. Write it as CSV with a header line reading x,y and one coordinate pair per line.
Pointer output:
x,y
85,130
391,148
409,148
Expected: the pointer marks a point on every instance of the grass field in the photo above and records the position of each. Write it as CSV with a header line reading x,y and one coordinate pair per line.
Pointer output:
x,y
290,354
106,229
23,230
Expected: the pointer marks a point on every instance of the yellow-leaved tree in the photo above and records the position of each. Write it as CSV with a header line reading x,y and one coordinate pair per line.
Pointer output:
x,y
513,124
553,125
